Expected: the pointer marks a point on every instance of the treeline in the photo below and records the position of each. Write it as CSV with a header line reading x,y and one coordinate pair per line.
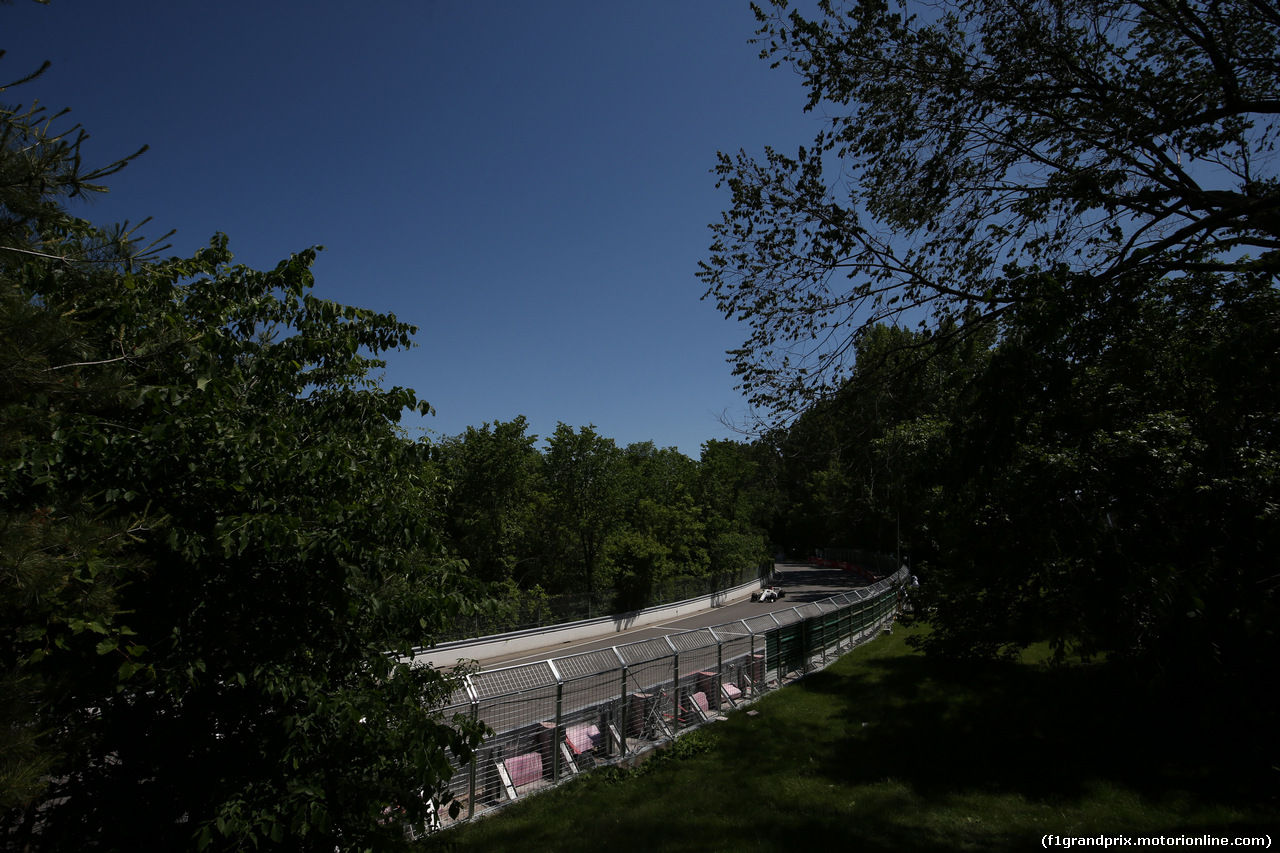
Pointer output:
x,y
1019,300
586,517
859,467
1103,482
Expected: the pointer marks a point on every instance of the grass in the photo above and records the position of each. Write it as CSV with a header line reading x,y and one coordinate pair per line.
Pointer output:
x,y
888,751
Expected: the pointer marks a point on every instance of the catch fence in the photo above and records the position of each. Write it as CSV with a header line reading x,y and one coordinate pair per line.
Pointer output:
x,y
560,717
522,610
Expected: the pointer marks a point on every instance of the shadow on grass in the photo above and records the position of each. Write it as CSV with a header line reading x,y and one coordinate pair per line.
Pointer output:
x,y
889,751
1044,733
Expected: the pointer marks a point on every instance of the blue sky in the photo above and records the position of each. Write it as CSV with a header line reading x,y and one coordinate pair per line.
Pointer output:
x,y
527,182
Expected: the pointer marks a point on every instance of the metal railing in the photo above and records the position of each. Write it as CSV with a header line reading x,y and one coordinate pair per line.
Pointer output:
x,y
563,716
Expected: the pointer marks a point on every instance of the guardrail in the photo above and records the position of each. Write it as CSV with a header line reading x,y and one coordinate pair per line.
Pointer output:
x,y
563,716
517,642
547,611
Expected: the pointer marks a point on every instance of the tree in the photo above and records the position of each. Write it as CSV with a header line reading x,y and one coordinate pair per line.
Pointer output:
x,y
493,474
739,498
661,505
1085,192
287,554
735,484
968,154
213,542
1110,484
61,566
585,481
861,464
663,534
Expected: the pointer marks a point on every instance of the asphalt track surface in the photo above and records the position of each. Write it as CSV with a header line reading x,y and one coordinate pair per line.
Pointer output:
x,y
801,582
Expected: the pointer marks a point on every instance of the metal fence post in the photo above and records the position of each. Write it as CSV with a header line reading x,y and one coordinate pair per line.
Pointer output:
x,y
675,685
625,705
719,669
555,732
475,718
662,716
808,641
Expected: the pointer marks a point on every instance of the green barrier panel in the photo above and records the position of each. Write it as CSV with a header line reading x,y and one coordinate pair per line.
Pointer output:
x,y
786,650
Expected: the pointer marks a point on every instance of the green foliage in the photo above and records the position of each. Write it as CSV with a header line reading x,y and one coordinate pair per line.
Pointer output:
x,y
1077,202
639,561
494,474
510,607
965,152
41,167
1118,500
731,552
697,742
213,539
61,565
648,521
860,465
738,483
664,534
586,486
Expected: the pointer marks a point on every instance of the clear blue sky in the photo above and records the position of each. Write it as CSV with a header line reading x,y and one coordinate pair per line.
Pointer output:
x,y
527,182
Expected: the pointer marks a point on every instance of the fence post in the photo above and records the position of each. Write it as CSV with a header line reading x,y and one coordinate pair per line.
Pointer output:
x,y
719,669
625,706
555,732
809,641
856,615
675,685
475,718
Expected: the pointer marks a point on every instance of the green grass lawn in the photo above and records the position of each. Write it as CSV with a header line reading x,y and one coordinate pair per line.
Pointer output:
x,y
888,751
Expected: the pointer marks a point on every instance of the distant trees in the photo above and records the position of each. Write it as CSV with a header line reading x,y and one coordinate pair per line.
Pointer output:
x,y
1076,204
860,467
664,532
213,538
738,485
495,494
585,482
585,516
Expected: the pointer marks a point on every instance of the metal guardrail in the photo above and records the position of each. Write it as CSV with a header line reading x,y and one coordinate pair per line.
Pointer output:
x,y
528,641
556,718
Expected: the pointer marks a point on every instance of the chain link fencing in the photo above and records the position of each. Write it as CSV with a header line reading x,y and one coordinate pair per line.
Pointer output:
x,y
563,716
524,611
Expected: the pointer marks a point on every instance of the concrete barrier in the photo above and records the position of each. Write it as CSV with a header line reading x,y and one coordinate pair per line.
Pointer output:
x,y
518,642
